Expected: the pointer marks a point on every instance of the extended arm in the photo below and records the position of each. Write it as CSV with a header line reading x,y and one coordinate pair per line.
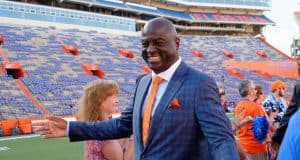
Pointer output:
x,y
78,131
111,129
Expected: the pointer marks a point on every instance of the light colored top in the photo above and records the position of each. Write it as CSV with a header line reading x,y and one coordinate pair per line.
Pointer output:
x,y
94,150
166,76
271,103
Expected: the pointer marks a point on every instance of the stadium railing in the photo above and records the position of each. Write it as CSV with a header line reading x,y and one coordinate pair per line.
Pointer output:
x,y
52,14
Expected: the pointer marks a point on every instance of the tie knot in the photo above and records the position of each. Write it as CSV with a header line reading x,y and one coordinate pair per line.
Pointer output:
x,y
156,80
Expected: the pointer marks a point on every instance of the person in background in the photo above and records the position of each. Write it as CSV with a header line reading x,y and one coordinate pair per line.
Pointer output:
x,y
293,107
255,150
222,97
98,103
275,102
237,123
259,95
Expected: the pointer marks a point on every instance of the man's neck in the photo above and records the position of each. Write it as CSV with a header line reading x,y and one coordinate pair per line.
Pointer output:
x,y
249,98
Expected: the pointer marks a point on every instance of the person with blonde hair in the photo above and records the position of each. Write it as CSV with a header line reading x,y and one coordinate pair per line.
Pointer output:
x,y
98,103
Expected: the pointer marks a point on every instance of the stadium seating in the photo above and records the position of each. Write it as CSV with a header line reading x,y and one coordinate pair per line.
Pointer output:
x,y
225,2
51,14
143,9
113,4
176,14
56,79
15,104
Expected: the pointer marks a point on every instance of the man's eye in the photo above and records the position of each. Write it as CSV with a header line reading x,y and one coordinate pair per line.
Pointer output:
x,y
144,45
159,43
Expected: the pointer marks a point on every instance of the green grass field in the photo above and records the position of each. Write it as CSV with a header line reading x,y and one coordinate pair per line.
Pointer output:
x,y
230,116
36,148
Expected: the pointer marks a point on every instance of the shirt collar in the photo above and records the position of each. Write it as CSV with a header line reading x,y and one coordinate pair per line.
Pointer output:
x,y
167,74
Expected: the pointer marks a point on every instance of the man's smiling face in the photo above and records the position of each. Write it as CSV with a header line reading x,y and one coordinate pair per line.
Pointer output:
x,y
160,47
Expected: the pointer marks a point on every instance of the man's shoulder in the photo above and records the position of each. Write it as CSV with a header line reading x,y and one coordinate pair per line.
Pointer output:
x,y
295,119
198,74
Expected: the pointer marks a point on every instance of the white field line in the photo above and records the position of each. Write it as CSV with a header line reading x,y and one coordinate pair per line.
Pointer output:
x,y
19,137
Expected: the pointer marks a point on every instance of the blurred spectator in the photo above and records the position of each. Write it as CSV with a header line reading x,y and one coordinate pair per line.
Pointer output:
x,y
222,97
98,103
275,101
293,107
237,123
248,108
259,95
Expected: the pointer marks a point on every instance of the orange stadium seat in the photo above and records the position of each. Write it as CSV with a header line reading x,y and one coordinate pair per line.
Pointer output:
x,y
126,53
70,49
1,39
197,54
93,69
261,54
235,73
228,54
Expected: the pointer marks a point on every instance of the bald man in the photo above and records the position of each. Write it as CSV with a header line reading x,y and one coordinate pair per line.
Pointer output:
x,y
186,119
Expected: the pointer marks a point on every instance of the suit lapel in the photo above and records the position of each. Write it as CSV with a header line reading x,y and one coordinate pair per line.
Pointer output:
x,y
172,88
140,97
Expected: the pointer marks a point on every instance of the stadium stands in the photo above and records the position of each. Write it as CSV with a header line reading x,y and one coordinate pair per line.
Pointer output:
x,y
68,16
111,4
175,14
15,104
218,3
56,79
143,9
209,17
51,14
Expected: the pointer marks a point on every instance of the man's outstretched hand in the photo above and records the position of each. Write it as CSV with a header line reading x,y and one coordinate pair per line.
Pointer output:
x,y
52,128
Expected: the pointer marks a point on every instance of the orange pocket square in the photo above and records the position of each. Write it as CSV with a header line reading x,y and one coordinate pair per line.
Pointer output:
x,y
174,104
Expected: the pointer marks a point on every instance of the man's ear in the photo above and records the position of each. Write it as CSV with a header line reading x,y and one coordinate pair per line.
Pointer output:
x,y
177,41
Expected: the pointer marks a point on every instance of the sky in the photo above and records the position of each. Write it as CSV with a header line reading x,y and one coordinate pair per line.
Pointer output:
x,y
281,35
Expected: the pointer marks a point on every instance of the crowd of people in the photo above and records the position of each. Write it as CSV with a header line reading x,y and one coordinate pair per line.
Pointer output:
x,y
177,113
254,104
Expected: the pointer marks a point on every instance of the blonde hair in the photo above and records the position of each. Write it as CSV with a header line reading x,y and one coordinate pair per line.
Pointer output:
x,y
94,94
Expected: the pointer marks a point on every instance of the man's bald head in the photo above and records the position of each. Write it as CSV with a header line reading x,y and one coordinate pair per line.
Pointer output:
x,y
159,24
160,44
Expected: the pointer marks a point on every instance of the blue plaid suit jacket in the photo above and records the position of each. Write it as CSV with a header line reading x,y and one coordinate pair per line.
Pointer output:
x,y
197,130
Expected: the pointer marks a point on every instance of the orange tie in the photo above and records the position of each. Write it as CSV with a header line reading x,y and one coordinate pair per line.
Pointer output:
x,y
148,107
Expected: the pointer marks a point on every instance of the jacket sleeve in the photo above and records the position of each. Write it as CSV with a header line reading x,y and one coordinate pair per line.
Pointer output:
x,y
293,107
213,122
120,127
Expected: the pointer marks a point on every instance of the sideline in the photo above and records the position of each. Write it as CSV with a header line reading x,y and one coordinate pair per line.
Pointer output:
x,y
19,137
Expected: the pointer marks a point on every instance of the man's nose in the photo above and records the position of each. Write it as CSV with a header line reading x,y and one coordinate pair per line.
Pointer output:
x,y
151,48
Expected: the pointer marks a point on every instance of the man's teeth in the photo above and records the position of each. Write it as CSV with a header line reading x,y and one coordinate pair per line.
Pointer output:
x,y
154,58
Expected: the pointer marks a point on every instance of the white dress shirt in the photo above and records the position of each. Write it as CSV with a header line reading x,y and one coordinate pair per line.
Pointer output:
x,y
166,76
